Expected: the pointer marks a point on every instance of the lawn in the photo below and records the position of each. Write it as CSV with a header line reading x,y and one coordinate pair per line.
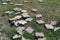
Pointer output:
x,y
50,10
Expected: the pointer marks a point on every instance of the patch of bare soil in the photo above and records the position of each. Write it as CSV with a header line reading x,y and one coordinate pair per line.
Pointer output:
x,y
3,36
4,25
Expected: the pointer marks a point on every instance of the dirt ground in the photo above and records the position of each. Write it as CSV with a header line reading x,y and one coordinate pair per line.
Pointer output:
x,y
3,36
4,25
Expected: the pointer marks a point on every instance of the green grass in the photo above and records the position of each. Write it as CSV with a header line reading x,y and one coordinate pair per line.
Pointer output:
x,y
50,10
28,36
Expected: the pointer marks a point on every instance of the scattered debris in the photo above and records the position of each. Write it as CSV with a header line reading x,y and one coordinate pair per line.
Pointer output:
x,y
39,34
34,10
23,11
20,30
38,15
16,36
23,38
7,0
29,29
25,15
40,21
18,4
17,9
16,17
8,12
49,26
4,3
53,22
26,1
22,22
56,28
29,19
40,0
